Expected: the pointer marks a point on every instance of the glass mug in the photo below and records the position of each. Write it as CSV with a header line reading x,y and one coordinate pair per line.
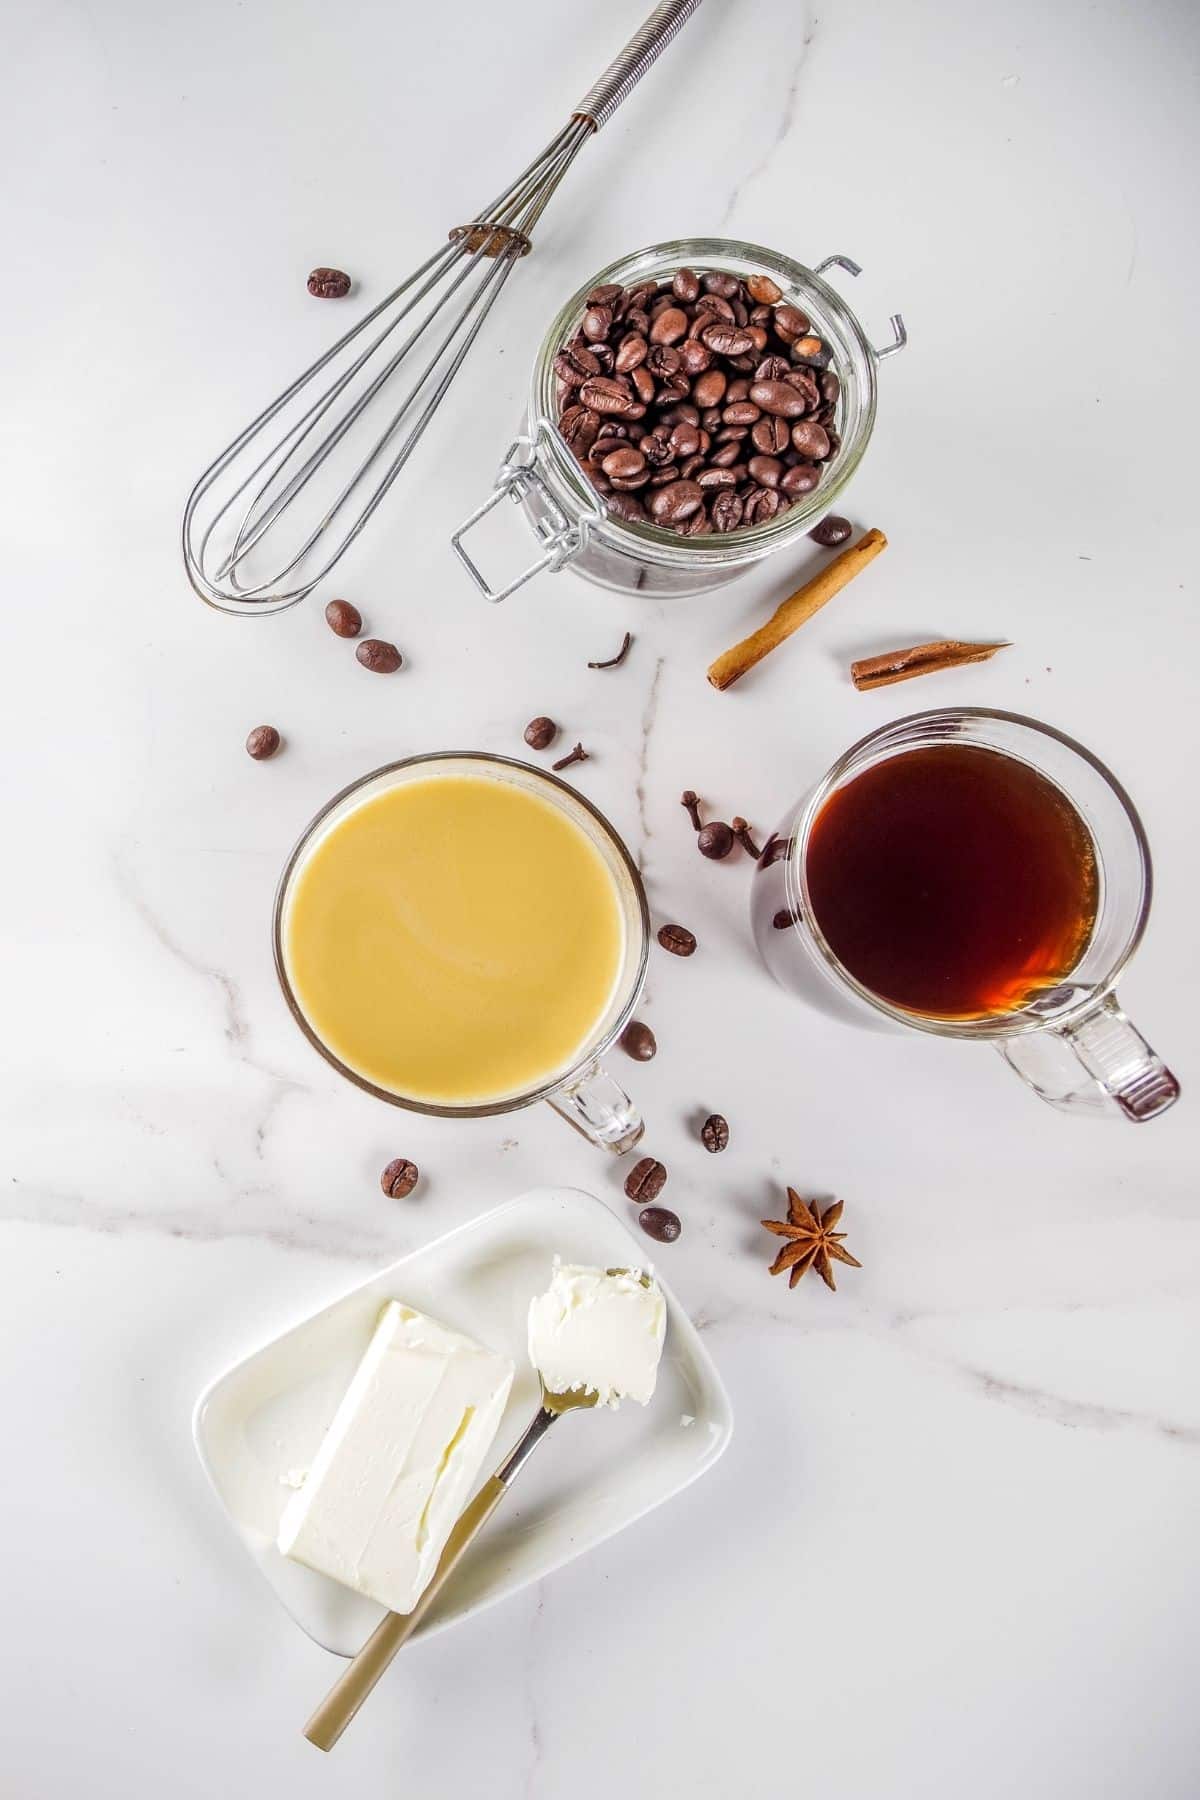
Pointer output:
x,y
1069,1041
584,1094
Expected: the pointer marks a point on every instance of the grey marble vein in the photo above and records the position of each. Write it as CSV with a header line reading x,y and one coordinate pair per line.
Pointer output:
x,y
783,125
649,718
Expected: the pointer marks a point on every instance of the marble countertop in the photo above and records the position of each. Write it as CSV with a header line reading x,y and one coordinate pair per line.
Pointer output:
x,y
952,1549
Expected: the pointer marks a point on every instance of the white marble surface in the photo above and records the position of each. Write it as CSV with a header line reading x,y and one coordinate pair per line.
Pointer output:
x,y
952,1550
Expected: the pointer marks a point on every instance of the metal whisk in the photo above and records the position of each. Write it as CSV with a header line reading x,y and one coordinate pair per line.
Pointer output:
x,y
333,448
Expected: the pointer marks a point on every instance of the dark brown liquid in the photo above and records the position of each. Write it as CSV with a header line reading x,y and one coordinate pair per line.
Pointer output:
x,y
953,881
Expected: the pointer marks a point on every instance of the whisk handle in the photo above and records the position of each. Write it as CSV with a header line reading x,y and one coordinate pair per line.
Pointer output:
x,y
626,70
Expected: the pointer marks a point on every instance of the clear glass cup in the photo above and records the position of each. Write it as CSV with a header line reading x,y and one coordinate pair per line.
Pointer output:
x,y
1072,1043
567,515
584,1094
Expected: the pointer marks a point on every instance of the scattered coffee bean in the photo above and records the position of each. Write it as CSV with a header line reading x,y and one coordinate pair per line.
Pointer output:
x,y
785,917
665,387
714,1133
742,833
646,1180
329,284
344,619
262,742
380,657
638,1041
677,939
660,1223
831,531
715,840
690,801
578,754
614,662
399,1178
540,733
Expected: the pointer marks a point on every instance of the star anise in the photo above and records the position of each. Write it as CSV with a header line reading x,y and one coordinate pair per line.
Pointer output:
x,y
813,1241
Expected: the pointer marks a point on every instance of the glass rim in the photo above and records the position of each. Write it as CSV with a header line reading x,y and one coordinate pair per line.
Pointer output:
x,y
1022,1021
489,1108
749,542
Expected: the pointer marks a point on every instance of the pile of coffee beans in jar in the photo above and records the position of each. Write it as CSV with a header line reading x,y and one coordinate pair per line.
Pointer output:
x,y
703,403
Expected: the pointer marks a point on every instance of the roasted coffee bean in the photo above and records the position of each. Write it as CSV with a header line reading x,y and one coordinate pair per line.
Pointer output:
x,y
664,362
714,1134
630,352
670,326
716,479
694,357
718,282
790,323
807,347
637,1040
638,321
579,426
343,619
741,412
640,297
399,1178
574,364
810,440
541,732
801,479
783,918
607,394
726,454
620,465
831,532
677,939
655,448
646,1180
607,294
379,656
711,306
830,387
626,506
665,476
763,289
643,384
726,512
685,284
660,1223
329,284
597,323
779,398
605,356
262,742
737,390
684,440
694,526
766,470
675,502
770,436
759,337
726,340
690,467
760,506
772,368
709,388
733,434
715,840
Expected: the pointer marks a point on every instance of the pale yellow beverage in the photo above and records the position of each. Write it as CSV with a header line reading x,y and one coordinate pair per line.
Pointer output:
x,y
455,939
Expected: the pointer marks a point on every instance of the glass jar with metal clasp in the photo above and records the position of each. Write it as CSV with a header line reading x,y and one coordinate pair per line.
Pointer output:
x,y
569,518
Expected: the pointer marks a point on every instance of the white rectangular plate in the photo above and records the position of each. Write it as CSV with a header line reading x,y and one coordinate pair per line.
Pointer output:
x,y
258,1426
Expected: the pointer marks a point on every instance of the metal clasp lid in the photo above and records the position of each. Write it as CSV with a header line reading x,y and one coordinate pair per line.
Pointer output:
x,y
899,331
516,478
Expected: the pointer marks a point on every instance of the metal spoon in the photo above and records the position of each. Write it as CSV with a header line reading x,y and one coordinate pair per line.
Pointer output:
x,y
351,1689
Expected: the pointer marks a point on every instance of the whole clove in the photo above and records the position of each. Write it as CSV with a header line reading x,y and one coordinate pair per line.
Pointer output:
x,y
614,662
578,754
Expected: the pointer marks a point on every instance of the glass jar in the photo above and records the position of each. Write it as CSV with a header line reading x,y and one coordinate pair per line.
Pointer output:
x,y
568,517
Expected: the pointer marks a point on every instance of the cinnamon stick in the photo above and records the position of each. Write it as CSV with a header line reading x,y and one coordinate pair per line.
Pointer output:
x,y
798,607
919,659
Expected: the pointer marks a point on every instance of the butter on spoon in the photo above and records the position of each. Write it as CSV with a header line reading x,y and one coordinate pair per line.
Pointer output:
x,y
600,1333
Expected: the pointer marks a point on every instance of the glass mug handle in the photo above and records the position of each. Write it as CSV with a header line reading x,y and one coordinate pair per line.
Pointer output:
x,y
1099,1062
599,1108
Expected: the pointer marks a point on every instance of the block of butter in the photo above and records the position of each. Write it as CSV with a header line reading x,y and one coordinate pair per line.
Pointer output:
x,y
400,1459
